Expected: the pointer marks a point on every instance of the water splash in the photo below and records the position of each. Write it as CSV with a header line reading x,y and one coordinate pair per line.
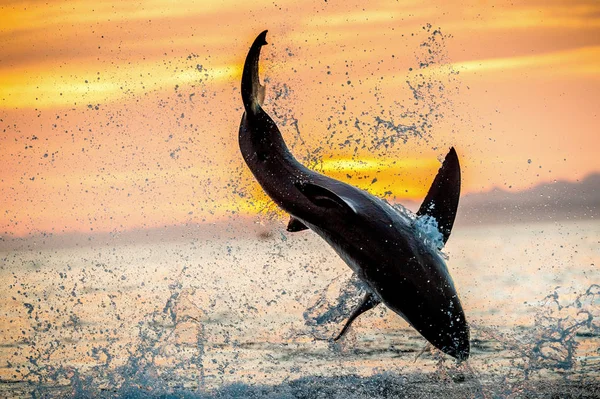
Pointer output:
x,y
427,229
418,113
432,83
333,305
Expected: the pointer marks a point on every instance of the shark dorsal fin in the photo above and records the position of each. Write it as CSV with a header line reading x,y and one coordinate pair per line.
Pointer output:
x,y
441,201
324,197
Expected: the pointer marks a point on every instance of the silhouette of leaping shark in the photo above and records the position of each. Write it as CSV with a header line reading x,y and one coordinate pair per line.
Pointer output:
x,y
383,246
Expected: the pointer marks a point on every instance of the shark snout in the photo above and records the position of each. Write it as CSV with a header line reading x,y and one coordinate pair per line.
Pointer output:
x,y
457,344
451,339
434,309
453,331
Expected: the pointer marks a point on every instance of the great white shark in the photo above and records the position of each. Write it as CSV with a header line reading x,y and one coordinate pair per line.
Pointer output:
x,y
383,246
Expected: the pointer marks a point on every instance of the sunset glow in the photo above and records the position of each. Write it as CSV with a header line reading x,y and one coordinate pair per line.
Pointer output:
x,y
119,115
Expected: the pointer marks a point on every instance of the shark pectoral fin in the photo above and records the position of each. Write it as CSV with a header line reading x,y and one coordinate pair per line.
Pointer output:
x,y
368,302
295,225
441,201
324,197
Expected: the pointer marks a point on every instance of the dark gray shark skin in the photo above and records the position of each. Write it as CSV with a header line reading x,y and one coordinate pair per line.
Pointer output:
x,y
379,243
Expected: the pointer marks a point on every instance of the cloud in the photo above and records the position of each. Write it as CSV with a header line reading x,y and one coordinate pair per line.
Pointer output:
x,y
579,61
47,87
19,16
542,16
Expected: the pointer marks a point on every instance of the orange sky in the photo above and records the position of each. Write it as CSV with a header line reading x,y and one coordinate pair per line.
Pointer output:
x,y
118,115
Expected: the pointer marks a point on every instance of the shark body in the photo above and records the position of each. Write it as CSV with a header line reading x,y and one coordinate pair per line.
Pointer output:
x,y
380,244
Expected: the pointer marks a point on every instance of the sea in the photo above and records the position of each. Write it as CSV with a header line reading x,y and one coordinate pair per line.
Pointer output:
x,y
251,313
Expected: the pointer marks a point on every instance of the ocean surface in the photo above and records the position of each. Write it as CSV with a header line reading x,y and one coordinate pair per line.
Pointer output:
x,y
252,316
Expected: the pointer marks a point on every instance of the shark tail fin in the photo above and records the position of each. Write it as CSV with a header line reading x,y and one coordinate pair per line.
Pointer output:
x,y
441,201
256,125
253,93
